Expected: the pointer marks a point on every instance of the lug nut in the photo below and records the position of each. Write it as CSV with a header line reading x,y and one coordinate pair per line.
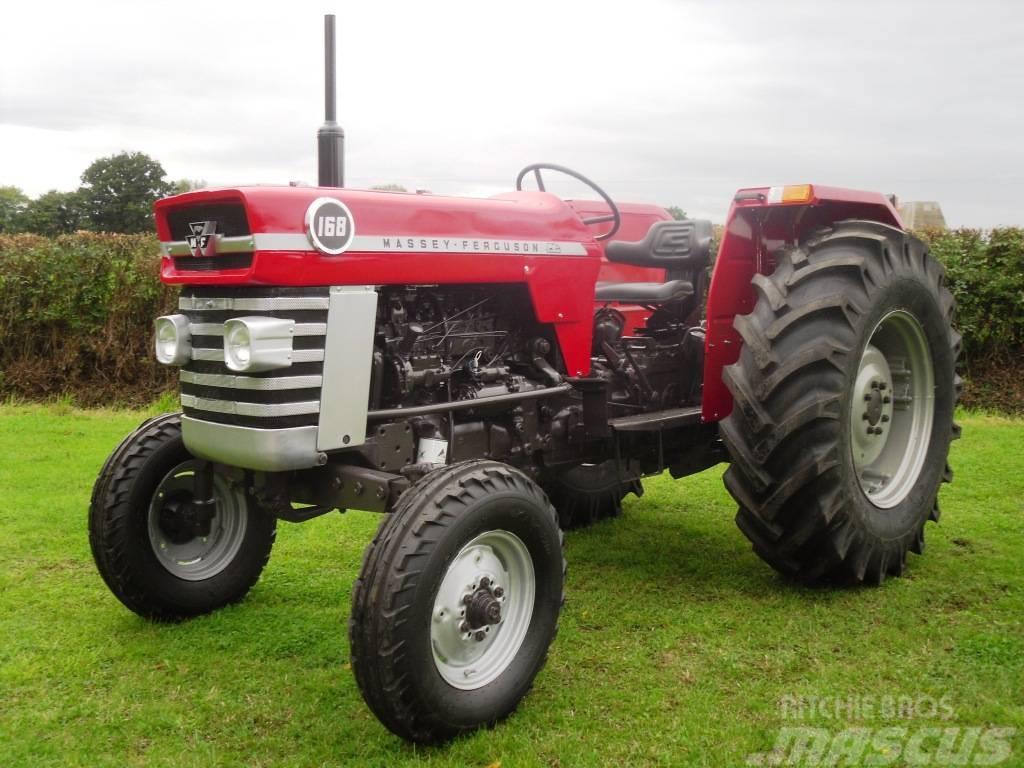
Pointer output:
x,y
485,583
464,626
499,591
867,398
480,635
882,385
884,418
886,399
874,385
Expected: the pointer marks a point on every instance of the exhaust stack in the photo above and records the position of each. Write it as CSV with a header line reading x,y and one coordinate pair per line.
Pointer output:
x,y
330,138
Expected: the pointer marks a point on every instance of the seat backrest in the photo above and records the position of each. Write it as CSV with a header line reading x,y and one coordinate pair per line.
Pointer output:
x,y
674,245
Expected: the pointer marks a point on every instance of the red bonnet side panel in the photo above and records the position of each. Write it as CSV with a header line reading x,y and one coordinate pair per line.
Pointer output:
x,y
524,237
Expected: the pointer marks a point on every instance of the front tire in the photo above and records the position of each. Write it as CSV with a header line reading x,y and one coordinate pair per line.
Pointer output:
x,y
147,555
457,601
844,395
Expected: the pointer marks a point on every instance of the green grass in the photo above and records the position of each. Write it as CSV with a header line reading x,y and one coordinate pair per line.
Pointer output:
x,y
676,644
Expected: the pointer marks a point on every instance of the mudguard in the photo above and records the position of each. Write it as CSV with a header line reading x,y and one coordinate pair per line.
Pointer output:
x,y
761,220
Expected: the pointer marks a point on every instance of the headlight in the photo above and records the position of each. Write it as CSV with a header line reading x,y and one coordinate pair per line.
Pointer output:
x,y
258,343
173,342
237,346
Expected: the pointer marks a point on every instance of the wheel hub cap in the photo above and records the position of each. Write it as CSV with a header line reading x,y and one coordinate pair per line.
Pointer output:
x,y
195,545
892,409
482,607
482,610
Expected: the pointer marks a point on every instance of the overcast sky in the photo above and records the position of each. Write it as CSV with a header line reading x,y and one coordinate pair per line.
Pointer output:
x,y
666,101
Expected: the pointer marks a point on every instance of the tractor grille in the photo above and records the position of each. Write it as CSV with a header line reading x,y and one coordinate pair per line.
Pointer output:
x,y
212,263
230,217
286,397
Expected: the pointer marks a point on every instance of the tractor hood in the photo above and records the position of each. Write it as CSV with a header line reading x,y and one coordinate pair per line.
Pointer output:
x,y
330,236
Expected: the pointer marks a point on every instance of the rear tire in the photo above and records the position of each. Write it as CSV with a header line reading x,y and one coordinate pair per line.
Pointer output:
x,y
587,493
430,659
835,478
157,571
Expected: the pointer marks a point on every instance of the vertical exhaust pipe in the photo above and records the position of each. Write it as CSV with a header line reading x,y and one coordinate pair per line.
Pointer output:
x,y
330,138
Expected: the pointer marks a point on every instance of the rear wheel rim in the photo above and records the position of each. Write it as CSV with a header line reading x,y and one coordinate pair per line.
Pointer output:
x,y
494,568
201,557
893,409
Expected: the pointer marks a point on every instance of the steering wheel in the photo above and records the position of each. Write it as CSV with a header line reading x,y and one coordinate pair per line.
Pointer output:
x,y
615,217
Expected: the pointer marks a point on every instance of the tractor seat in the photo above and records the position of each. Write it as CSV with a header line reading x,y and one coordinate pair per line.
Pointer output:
x,y
644,293
682,248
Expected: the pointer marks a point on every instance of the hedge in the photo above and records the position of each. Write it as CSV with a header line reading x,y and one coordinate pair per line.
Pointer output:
x,y
76,315
985,272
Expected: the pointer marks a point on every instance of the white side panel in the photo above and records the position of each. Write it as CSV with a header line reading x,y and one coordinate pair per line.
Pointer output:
x,y
348,358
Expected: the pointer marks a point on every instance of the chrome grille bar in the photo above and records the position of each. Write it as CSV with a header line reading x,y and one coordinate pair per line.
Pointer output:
x,y
252,304
251,382
259,410
298,355
217,329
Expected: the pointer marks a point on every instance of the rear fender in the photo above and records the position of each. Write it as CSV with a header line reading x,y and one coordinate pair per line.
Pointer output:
x,y
759,223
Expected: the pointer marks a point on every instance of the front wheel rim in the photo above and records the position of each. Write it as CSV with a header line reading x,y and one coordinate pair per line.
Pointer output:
x,y
201,557
892,409
482,610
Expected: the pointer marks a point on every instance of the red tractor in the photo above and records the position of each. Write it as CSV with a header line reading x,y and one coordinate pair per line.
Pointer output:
x,y
489,372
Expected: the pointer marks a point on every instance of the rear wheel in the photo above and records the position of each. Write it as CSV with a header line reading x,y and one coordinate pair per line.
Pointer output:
x,y
153,554
457,601
844,395
587,493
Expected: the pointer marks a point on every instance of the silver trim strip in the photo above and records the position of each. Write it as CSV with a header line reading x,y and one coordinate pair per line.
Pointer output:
x,y
264,450
402,243
249,382
286,241
199,304
217,329
242,244
258,410
298,355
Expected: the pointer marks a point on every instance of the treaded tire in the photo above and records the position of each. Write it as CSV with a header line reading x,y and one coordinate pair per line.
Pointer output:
x,y
403,568
119,537
585,494
801,503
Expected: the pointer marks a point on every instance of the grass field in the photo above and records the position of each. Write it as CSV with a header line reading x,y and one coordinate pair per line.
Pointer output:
x,y
677,644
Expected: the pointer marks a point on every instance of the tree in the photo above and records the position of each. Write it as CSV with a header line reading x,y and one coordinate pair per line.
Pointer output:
x,y
186,185
676,212
12,205
53,213
118,192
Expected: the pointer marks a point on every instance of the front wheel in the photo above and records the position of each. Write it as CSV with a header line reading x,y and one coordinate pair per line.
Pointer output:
x,y
155,557
844,396
457,602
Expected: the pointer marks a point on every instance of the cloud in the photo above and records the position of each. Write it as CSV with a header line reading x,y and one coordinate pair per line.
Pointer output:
x,y
672,102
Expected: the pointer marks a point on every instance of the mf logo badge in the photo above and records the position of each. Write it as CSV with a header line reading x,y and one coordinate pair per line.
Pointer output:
x,y
330,226
203,240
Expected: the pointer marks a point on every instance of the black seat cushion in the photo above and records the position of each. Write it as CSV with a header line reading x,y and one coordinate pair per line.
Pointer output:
x,y
644,293
675,245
